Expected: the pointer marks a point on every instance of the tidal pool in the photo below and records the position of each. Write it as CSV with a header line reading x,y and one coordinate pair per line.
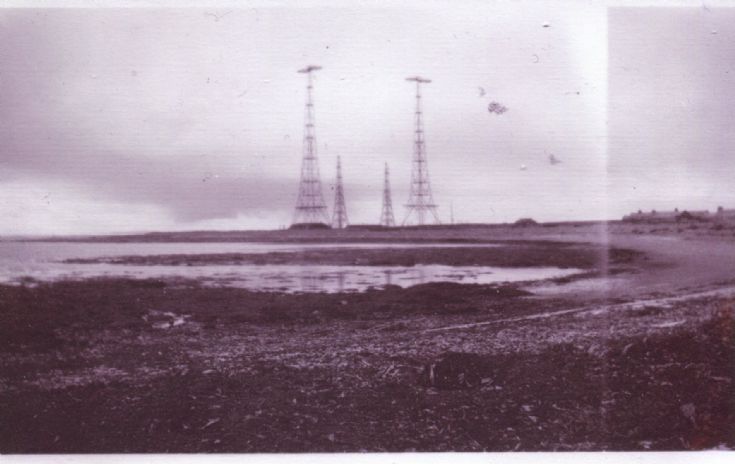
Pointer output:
x,y
44,262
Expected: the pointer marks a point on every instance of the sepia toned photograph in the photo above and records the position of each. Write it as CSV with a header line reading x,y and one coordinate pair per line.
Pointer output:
x,y
367,227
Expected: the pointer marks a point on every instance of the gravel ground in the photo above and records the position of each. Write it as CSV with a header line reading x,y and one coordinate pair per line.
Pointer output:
x,y
130,366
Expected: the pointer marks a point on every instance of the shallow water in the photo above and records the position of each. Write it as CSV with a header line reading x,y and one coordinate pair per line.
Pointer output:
x,y
43,262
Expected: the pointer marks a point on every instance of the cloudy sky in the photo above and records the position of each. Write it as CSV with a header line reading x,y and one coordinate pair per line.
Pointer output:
x,y
137,119
671,113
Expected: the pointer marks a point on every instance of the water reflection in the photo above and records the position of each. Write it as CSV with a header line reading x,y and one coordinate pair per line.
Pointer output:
x,y
42,263
388,277
341,281
292,278
332,279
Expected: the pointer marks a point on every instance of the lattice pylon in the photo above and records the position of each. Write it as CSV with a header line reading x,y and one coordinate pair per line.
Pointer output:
x,y
339,218
310,206
420,202
386,215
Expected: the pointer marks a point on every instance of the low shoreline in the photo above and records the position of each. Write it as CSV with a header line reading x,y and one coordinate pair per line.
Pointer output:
x,y
563,255
115,365
460,233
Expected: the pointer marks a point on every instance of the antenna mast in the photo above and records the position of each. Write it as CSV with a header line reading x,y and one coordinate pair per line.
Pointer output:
x,y
339,219
386,216
310,206
421,202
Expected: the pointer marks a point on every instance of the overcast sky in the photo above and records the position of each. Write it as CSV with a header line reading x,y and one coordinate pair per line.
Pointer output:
x,y
671,108
162,119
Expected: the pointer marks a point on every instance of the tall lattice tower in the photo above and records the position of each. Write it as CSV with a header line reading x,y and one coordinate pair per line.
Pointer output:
x,y
386,215
310,207
420,202
339,218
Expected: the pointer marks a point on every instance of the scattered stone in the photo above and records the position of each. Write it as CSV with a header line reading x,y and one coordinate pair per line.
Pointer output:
x,y
455,371
689,411
164,320
211,422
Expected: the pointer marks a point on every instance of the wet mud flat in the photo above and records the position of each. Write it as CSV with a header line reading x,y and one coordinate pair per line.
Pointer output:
x,y
495,253
114,365
347,268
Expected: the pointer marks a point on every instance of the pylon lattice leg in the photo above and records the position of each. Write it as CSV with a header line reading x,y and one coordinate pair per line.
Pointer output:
x,y
420,204
310,206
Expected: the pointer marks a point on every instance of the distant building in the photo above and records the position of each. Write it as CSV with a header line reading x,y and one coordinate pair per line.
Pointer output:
x,y
724,215
525,222
653,216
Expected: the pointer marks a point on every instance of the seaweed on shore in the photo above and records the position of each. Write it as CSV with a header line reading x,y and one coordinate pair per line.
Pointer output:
x,y
563,255
42,316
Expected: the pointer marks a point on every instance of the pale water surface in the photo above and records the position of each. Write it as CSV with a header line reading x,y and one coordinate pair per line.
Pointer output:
x,y
44,262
